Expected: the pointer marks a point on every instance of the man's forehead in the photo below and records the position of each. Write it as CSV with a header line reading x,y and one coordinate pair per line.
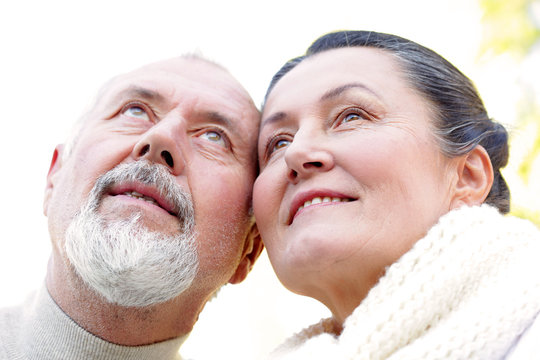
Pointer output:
x,y
177,70
169,75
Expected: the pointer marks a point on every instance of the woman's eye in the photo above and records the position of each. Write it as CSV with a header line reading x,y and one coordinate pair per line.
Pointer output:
x,y
281,144
214,136
136,111
274,146
352,115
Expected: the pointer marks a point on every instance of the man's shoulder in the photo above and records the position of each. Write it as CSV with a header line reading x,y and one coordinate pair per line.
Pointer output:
x,y
15,312
11,322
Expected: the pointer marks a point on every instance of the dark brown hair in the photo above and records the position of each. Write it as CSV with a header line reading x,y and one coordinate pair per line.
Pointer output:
x,y
461,121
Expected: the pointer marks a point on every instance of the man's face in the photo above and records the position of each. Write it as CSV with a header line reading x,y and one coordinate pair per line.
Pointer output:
x,y
192,118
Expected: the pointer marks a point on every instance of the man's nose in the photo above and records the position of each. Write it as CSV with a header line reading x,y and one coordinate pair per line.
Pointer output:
x,y
162,145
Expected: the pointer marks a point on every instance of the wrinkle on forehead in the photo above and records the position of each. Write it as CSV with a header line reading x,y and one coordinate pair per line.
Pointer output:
x,y
200,70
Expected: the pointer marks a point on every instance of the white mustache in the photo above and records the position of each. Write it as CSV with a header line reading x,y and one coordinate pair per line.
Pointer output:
x,y
150,174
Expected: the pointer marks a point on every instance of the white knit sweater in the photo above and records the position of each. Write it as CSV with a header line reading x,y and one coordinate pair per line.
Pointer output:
x,y
467,290
39,329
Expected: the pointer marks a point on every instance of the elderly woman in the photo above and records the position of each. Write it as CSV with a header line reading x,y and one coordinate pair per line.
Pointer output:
x,y
380,195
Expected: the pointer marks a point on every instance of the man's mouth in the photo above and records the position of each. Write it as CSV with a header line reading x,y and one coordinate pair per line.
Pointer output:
x,y
148,196
140,196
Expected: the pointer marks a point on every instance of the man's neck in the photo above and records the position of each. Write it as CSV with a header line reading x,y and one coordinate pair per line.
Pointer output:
x,y
128,326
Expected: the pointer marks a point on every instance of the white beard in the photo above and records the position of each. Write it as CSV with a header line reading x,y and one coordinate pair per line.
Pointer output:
x,y
122,260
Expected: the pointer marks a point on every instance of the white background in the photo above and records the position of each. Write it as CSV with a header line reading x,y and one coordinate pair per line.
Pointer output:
x,y
56,54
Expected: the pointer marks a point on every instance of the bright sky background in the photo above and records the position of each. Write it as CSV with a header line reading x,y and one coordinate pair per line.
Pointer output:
x,y
56,54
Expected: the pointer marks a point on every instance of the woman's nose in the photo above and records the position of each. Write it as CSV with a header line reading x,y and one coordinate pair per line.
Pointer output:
x,y
307,155
162,145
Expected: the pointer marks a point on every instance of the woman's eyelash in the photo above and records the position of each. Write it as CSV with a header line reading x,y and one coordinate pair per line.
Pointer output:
x,y
272,142
347,115
351,112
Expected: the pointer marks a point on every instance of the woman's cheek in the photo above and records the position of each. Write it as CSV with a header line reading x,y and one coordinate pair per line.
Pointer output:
x,y
267,198
261,200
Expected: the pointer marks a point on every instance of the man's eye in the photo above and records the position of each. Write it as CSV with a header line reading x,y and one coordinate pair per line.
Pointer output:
x,y
352,117
136,111
214,136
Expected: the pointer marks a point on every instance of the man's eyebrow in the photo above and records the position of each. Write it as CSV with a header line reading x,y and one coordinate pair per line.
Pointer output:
x,y
221,119
139,92
332,93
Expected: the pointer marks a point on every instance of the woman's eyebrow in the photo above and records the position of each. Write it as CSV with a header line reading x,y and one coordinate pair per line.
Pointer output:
x,y
328,95
332,93
276,117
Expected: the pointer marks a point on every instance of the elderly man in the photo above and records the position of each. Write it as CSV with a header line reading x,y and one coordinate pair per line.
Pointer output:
x,y
149,215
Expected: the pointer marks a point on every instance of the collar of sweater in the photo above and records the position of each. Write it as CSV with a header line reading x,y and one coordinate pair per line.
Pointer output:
x,y
47,332
468,289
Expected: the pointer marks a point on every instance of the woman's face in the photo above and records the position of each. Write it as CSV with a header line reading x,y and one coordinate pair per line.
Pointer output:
x,y
351,175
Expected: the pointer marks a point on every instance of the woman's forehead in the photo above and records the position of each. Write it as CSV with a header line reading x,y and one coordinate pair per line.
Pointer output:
x,y
376,70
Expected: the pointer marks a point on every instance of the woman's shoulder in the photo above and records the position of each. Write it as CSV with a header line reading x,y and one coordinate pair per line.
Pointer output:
x,y
485,223
313,341
527,345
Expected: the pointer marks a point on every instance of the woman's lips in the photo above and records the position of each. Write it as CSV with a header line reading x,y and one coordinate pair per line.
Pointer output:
x,y
316,197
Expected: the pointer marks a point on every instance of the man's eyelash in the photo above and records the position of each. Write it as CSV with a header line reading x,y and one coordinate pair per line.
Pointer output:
x,y
147,109
220,131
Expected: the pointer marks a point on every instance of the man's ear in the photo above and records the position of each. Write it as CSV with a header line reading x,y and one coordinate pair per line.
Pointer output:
x,y
475,178
252,250
56,164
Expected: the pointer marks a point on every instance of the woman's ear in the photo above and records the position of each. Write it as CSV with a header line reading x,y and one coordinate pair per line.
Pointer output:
x,y
252,250
475,178
56,164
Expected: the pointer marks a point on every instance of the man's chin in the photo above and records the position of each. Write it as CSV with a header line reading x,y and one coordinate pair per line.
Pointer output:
x,y
137,286
132,296
150,219
127,263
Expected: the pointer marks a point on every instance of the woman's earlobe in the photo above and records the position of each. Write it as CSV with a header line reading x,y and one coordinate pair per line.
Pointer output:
x,y
475,178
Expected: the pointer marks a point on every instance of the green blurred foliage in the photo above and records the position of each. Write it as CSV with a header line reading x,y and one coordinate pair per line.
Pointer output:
x,y
509,28
529,114
526,213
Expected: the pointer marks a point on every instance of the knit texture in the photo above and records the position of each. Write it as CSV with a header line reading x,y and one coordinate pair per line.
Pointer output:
x,y
467,290
39,329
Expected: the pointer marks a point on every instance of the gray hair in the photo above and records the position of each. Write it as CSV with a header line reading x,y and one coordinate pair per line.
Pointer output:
x,y
121,259
461,122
